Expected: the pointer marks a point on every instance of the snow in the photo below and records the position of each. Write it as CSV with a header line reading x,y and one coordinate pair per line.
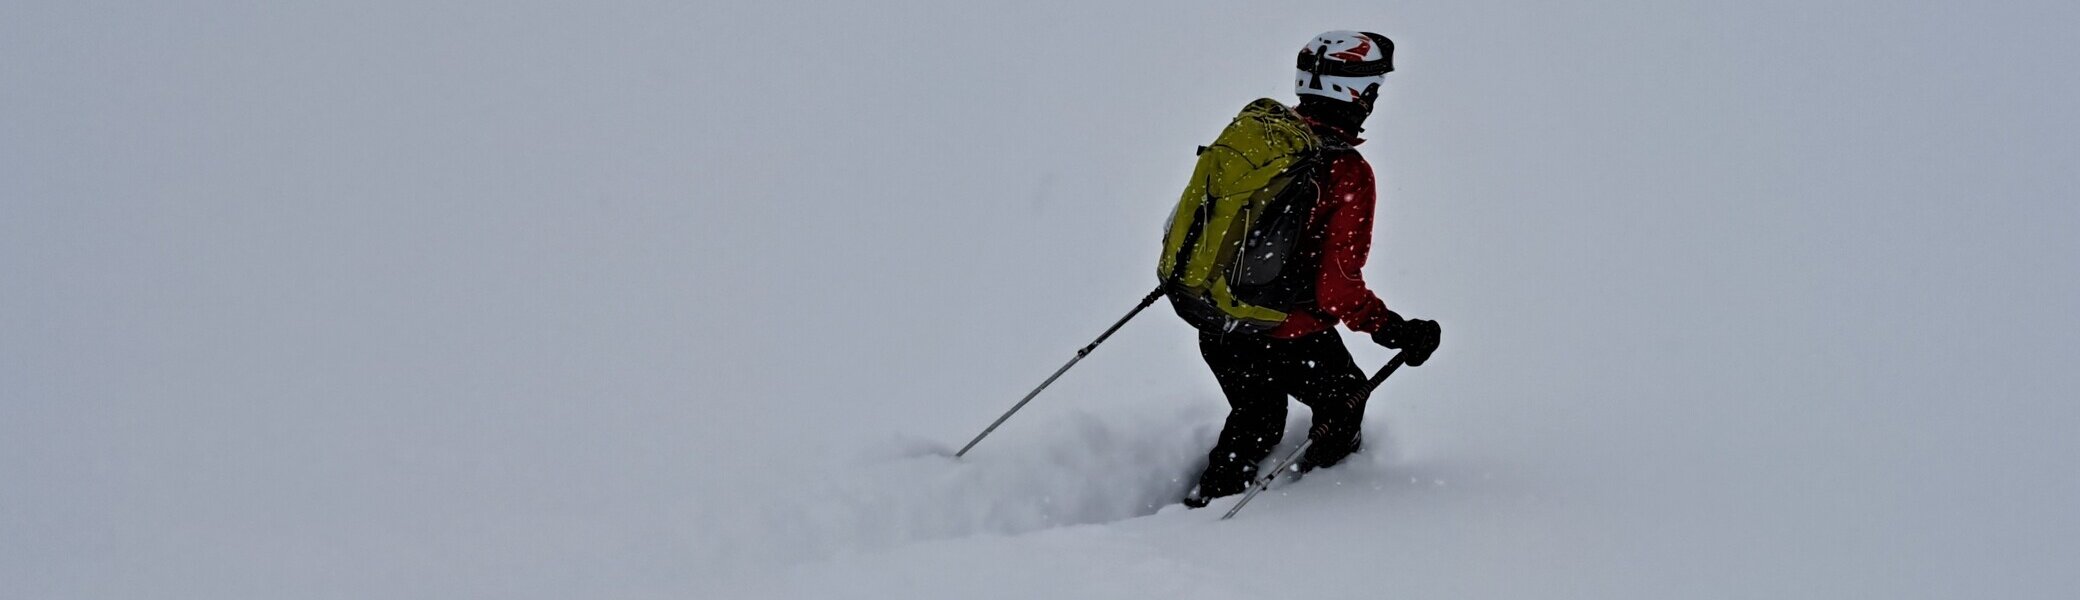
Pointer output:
x,y
1098,469
671,300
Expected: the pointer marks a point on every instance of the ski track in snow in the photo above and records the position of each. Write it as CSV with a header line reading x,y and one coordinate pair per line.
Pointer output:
x,y
899,514
1083,469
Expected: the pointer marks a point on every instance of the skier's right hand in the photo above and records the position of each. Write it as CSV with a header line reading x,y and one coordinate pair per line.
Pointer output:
x,y
1416,338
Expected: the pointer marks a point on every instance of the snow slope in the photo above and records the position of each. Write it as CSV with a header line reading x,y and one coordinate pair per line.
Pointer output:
x,y
689,300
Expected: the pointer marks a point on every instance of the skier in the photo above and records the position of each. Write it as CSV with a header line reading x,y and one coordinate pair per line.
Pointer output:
x,y
1338,84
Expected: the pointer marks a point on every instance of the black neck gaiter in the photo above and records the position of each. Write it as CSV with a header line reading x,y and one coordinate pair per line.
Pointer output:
x,y
1346,116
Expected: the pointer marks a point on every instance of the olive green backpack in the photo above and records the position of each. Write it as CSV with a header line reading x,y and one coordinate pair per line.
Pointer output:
x,y
1232,255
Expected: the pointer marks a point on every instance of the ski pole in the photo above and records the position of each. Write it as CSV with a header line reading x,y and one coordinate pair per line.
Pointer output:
x,y
1145,301
1265,483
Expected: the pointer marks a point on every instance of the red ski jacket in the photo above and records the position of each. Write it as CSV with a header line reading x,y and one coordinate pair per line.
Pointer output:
x,y
1342,226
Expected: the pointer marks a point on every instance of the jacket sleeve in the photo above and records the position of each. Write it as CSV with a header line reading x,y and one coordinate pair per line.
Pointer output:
x,y
1341,290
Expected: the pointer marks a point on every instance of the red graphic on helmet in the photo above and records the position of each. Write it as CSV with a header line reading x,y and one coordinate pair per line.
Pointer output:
x,y
1355,54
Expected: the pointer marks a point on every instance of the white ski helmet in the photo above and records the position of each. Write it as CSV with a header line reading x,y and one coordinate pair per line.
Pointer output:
x,y
1345,66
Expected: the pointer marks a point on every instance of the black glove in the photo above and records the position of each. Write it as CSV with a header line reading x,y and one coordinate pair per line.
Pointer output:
x,y
1390,333
1416,338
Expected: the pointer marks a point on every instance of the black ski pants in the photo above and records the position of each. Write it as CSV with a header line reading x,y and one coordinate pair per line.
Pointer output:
x,y
1257,373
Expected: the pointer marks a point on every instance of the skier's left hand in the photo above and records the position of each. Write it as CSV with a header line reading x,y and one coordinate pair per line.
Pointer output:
x,y
1416,338
1424,335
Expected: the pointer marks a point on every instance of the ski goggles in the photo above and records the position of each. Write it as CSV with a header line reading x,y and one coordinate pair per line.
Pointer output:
x,y
1313,63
